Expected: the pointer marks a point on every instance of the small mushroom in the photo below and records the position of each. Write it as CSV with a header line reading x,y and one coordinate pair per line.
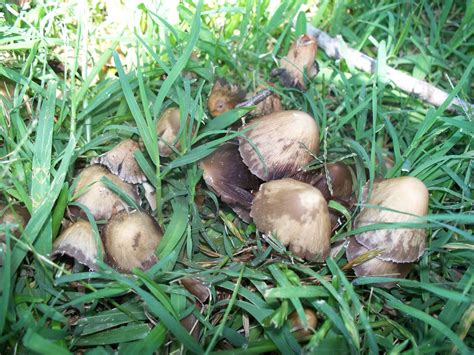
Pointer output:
x,y
301,56
130,240
268,106
121,162
407,198
224,97
230,179
297,214
167,129
297,324
284,140
375,266
78,242
13,217
91,192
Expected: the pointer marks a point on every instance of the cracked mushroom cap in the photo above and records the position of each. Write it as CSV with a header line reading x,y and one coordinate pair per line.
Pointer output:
x,y
224,97
121,162
102,202
15,217
301,56
403,195
230,179
375,266
130,240
78,242
284,140
167,129
297,214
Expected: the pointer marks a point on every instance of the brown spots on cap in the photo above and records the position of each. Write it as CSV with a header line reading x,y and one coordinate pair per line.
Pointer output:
x,y
121,162
78,242
93,194
296,214
408,198
224,97
283,142
130,240
167,129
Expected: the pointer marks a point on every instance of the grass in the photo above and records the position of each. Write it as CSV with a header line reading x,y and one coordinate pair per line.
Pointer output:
x,y
52,124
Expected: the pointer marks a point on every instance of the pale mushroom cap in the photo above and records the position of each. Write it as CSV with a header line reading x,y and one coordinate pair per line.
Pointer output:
x,y
16,217
375,266
101,201
297,214
78,242
405,195
130,240
284,140
229,177
121,162
167,129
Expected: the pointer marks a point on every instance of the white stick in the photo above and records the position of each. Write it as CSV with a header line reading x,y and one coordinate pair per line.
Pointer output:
x,y
336,48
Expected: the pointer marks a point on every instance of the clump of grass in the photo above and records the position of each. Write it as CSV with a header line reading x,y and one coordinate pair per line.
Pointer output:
x,y
52,124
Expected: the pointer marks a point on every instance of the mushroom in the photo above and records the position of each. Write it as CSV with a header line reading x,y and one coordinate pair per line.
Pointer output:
x,y
268,106
284,140
407,198
224,97
130,240
91,192
297,214
13,217
297,325
230,179
167,129
78,242
121,162
301,56
375,266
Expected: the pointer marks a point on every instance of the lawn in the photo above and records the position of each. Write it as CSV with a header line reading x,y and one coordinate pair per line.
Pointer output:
x,y
77,78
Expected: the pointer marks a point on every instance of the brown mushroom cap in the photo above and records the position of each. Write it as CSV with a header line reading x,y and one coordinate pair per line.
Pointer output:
x,y
15,217
268,106
167,129
130,240
375,266
230,179
78,242
301,56
405,195
284,140
297,324
297,214
224,97
121,162
101,201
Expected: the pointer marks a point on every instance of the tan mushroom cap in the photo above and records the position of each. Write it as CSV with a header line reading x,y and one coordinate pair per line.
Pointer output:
x,y
229,177
167,129
295,213
376,266
268,106
15,217
405,195
101,201
284,140
224,97
78,242
130,240
301,56
297,323
121,162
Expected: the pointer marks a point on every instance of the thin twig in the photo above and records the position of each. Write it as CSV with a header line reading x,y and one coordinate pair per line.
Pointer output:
x,y
256,99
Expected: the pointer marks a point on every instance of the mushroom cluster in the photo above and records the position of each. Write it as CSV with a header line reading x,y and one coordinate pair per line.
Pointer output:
x,y
127,236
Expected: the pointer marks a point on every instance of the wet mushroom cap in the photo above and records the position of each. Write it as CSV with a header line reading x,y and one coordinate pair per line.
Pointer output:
x,y
284,141
167,129
16,217
295,213
130,240
102,202
78,242
229,177
408,198
375,266
297,324
121,162
224,97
